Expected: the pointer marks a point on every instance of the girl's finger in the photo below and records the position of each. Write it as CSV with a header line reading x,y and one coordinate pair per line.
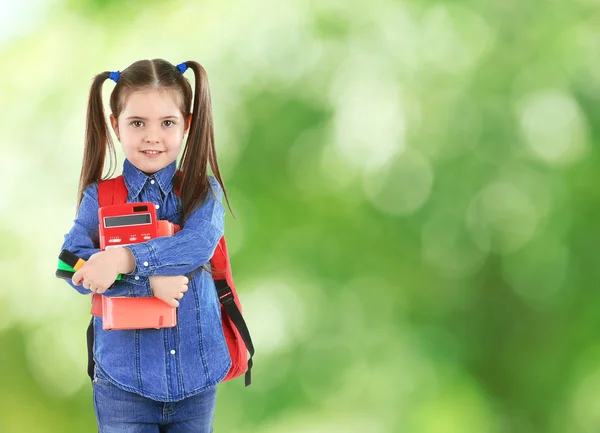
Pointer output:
x,y
174,303
76,278
184,288
180,295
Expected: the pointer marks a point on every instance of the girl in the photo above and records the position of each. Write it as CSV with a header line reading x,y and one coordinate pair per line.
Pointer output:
x,y
155,380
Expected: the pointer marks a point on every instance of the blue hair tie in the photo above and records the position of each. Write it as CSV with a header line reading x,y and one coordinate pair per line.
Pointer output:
x,y
182,67
115,76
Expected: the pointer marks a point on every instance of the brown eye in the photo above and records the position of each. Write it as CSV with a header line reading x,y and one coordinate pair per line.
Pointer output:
x,y
168,123
136,123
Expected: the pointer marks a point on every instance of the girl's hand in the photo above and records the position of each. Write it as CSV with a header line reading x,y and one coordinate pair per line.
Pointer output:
x,y
169,289
103,268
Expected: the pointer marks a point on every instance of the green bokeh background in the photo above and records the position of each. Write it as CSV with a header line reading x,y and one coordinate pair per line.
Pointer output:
x,y
415,193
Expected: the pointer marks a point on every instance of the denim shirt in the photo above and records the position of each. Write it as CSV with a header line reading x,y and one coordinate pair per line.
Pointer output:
x,y
166,364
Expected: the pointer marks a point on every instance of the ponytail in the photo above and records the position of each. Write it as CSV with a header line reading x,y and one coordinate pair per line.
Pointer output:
x,y
97,138
200,147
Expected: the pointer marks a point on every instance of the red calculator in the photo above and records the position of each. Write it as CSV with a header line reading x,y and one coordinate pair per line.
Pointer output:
x,y
131,223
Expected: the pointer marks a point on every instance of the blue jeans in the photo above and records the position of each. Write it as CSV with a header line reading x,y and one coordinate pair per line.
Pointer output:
x,y
119,411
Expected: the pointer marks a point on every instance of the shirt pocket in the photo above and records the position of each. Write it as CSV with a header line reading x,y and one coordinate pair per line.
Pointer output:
x,y
100,378
172,217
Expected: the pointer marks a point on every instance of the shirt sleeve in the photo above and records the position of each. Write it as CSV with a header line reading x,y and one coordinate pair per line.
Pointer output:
x,y
82,240
189,248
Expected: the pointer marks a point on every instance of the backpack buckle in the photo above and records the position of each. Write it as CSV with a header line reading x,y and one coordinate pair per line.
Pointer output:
x,y
224,292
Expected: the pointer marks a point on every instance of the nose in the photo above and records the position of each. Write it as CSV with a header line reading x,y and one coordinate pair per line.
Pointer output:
x,y
152,136
151,139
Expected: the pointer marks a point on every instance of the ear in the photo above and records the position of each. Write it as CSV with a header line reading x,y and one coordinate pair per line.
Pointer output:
x,y
188,122
115,126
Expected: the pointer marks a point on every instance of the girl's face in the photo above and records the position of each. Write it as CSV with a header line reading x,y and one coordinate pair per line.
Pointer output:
x,y
151,128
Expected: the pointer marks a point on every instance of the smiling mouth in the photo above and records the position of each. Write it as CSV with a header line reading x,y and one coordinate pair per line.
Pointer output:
x,y
151,152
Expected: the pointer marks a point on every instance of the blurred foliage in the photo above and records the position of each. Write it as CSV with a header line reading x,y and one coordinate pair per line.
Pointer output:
x,y
413,185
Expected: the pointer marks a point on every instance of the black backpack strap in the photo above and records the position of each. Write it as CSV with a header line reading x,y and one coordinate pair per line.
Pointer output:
x,y
90,349
225,295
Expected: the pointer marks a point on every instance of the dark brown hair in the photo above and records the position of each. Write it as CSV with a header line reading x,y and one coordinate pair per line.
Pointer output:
x,y
199,150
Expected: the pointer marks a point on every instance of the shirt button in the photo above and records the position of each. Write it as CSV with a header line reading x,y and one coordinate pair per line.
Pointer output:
x,y
157,206
145,263
137,277
152,181
172,352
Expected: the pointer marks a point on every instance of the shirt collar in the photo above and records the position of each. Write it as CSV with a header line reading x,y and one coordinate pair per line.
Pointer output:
x,y
136,179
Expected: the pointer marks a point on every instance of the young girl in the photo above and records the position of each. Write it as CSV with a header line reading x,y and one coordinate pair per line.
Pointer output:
x,y
155,380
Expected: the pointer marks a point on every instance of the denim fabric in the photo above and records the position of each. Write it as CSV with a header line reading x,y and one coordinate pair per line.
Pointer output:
x,y
167,364
119,411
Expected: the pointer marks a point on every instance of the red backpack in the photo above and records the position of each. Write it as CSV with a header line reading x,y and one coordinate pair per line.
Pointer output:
x,y
239,342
